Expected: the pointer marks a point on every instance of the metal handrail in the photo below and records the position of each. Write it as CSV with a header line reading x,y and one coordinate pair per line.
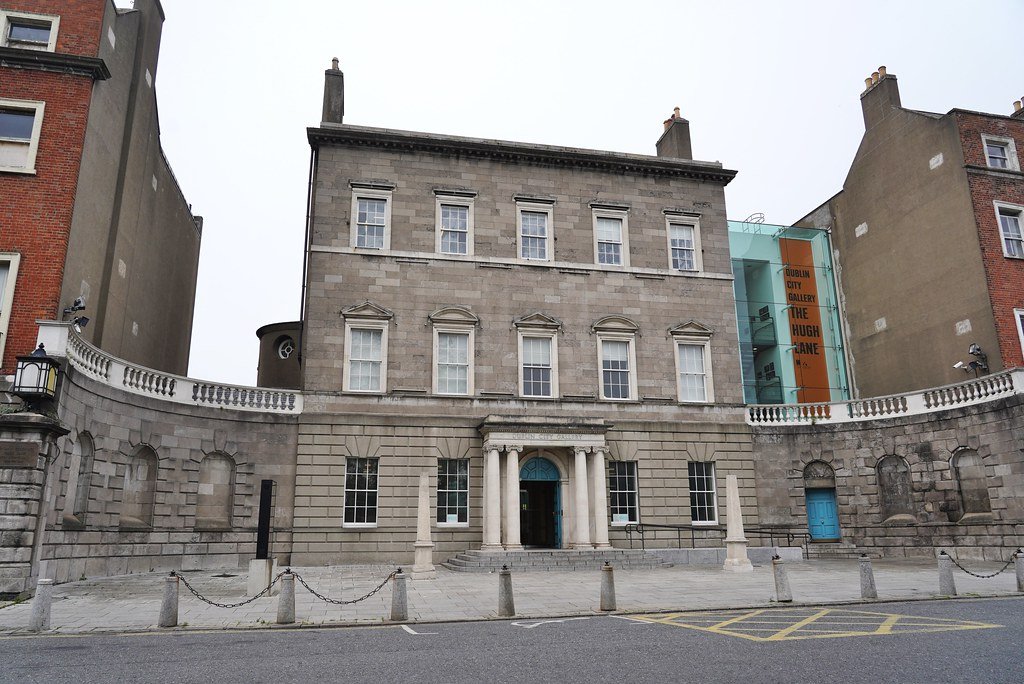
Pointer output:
x,y
792,536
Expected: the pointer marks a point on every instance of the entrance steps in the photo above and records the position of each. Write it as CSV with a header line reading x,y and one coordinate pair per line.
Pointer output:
x,y
539,560
838,550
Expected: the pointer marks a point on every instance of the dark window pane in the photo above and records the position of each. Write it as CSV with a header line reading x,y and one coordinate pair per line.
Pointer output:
x,y
16,124
30,32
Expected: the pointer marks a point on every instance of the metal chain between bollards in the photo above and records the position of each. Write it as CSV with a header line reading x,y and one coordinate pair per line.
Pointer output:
x,y
227,605
1013,556
339,602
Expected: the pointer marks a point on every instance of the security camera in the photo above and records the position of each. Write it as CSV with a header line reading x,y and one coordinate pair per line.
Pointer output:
x,y
79,304
958,364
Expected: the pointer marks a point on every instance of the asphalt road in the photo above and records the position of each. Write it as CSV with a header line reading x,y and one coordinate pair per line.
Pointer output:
x,y
936,641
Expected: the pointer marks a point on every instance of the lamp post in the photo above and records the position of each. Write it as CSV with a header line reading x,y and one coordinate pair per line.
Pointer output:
x,y
35,378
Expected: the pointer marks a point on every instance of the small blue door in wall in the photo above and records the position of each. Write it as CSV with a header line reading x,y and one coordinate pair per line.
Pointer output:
x,y
822,514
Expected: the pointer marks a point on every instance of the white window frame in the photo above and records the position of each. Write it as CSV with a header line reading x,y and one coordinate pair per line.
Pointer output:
x,y
621,215
1012,161
359,192
1018,316
709,385
12,259
684,220
364,324
30,17
453,200
539,208
38,110
630,340
438,490
635,492
468,331
344,500
1012,208
551,335
714,493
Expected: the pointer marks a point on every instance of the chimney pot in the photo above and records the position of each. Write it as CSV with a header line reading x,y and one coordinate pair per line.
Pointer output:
x,y
1016,105
334,64
675,113
874,77
867,83
881,71
668,122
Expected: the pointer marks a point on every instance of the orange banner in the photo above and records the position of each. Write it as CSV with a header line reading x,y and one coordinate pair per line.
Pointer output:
x,y
805,321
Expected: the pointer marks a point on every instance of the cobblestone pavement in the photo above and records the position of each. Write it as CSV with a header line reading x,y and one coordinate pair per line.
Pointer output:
x,y
132,602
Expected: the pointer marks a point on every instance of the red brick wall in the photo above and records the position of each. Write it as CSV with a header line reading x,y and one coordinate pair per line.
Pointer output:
x,y
35,210
1005,276
81,21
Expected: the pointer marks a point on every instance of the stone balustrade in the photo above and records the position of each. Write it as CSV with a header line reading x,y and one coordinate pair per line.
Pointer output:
x,y
147,382
975,391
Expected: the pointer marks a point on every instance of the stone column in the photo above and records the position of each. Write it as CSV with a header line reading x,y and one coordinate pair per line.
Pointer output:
x,y
581,507
736,559
598,473
492,500
423,547
512,538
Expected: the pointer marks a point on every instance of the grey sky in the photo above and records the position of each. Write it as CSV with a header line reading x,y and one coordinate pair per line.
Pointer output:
x,y
770,88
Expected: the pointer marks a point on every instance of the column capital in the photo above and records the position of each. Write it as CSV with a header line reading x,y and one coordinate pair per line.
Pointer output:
x,y
514,448
582,449
603,451
491,446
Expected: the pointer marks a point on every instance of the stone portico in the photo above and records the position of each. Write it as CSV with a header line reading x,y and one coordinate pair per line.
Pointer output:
x,y
576,447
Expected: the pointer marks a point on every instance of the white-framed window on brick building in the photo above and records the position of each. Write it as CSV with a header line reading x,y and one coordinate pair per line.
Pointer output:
x,y
366,349
454,350
538,356
683,231
1018,316
454,224
21,123
361,492
1009,217
28,31
694,379
535,229
703,494
8,275
623,492
453,492
611,235
616,352
1000,152
370,221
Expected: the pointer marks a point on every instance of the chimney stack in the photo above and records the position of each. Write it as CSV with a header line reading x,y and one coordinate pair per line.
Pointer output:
x,y
1018,109
880,97
675,141
334,94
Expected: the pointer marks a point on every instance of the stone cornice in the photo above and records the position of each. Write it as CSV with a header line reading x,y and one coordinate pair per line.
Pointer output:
x,y
516,152
79,65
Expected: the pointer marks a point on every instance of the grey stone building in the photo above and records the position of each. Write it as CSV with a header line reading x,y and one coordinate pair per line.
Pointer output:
x,y
549,331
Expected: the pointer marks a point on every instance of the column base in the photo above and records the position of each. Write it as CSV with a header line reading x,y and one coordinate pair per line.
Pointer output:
x,y
604,545
736,557
582,546
492,547
513,547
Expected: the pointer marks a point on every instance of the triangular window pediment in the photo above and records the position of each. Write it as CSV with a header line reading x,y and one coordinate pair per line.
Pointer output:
x,y
619,324
537,320
367,310
454,315
691,328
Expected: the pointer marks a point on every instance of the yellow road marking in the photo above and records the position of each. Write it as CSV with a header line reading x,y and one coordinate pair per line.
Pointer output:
x,y
886,626
782,634
737,619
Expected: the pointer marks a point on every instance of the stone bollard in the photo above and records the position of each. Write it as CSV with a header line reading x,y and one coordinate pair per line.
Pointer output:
x,y
506,602
607,587
399,598
782,590
39,618
286,599
947,587
867,578
169,606
1018,563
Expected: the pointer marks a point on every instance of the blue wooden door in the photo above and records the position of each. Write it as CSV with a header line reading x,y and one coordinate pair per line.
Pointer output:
x,y
822,514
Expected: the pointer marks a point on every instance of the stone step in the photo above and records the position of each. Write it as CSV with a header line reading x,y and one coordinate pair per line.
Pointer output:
x,y
540,560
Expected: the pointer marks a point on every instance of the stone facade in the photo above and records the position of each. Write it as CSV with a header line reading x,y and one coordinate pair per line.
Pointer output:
x,y
907,486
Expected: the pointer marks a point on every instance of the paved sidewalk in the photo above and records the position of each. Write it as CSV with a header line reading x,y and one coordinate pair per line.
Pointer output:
x,y
132,602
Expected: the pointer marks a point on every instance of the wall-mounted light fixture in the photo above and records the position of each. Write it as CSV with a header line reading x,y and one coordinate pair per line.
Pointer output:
x,y
35,377
978,365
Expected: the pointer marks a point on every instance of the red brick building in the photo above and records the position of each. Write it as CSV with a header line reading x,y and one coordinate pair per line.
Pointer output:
x,y
929,252
88,206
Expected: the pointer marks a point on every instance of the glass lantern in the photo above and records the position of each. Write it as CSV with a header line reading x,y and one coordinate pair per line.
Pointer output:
x,y
35,376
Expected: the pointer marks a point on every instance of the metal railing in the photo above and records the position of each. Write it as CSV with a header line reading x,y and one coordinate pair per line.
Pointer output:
x,y
756,535
147,382
977,391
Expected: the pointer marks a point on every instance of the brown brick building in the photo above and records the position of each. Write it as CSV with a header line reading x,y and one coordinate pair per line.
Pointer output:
x,y
89,206
927,233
